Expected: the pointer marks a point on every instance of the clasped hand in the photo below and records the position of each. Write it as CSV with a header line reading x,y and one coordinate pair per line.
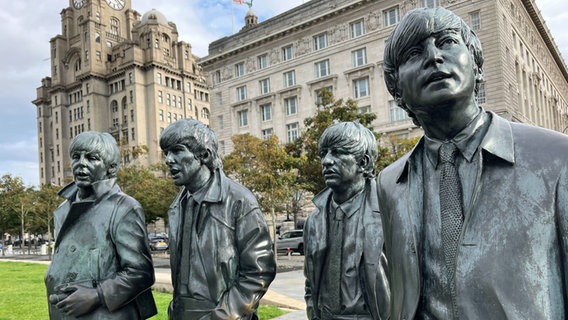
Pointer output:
x,y
75,300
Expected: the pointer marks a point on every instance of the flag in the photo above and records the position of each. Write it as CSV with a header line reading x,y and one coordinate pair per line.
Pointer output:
x,y
239,1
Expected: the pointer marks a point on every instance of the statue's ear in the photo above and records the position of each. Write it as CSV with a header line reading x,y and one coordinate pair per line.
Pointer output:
x,y
112,170
206,157
364,162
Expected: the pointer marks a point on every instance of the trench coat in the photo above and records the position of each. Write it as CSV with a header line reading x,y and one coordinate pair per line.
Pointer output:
x,y
512,257
372,272
235,248
102,243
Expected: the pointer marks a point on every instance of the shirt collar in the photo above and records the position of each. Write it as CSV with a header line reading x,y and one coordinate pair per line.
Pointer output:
x,y
350,206
467,141
211,191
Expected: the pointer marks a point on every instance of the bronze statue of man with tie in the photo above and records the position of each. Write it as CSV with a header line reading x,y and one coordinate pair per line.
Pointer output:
x,y
344,266
475,217
221,257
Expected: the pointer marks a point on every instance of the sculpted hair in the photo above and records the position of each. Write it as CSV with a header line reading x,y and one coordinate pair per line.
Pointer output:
x,y
415,26
352,137
196,136
102,143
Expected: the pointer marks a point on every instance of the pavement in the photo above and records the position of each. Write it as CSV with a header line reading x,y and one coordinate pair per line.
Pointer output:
x,y
286,291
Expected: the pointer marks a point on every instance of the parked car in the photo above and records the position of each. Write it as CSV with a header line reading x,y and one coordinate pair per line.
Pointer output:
x,y
158,242
292,240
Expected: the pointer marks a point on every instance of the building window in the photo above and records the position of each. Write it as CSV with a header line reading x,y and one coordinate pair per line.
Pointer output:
x,y
266,112
357,28
132,115
287,53
289,78
292,132
359,57
318,94
241,93
320,41
220,122
262,61
475,20
322,68
169,117
264,86
133,133
267,133
396,112
217,77
291,105
159,78
168,99
160,97
430,3
481,93
391,16
243,118
161,115
361,87
205,113
239,69
364,109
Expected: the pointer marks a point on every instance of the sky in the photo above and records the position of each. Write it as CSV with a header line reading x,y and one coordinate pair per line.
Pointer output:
x,y
28,25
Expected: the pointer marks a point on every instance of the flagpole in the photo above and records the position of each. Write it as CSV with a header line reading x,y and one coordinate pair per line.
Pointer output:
x,y
232,17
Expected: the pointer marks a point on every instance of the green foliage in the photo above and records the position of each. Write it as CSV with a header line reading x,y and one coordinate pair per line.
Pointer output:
x,y
265,168
24,298
150,187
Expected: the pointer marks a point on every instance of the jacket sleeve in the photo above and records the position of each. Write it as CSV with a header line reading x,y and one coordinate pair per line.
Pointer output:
x,y
562,218
256,269
307,273
136,273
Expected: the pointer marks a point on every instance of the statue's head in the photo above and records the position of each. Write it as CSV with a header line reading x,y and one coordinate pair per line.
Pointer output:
x,y
94,156
196,137
353,144
416,26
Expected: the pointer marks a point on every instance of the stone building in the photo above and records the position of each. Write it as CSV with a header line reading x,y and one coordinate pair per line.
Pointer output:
x,y
116,71
265,79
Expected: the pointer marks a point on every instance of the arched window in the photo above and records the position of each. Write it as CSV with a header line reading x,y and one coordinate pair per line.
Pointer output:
x,y
205,113
114,26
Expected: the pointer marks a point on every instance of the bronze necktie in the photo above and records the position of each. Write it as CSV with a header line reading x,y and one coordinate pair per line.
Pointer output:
x,y
451,210
335,252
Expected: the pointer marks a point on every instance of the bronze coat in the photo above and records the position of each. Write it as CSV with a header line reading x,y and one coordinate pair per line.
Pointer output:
x,y
235,248
103,240
372,273
513,255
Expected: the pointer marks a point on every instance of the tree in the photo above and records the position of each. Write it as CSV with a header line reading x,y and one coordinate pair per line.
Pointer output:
x,y
265,168
47,200
150,187
10,187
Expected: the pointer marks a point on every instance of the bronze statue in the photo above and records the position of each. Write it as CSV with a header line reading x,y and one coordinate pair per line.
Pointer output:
x,y
221,258
344,268
102,267
475,217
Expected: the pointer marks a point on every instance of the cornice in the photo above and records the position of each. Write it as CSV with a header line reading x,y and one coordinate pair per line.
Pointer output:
x,y
537,19
337,7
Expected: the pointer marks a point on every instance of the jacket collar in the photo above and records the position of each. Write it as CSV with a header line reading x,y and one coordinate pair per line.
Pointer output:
x,y
100,188
212,192
498,141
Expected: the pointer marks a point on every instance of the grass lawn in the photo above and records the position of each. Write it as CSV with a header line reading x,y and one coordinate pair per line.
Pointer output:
x,y
23,295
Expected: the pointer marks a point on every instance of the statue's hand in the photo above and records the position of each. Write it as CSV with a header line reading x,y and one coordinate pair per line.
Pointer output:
x,y
81,300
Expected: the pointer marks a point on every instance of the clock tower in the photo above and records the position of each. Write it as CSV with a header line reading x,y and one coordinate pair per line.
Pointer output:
x,y
115,70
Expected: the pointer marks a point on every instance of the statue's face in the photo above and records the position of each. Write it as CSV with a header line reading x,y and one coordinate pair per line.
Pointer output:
x,y
436,71
185,168
340,168
88,167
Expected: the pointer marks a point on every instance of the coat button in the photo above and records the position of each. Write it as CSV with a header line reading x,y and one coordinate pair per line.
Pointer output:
x,y
72,248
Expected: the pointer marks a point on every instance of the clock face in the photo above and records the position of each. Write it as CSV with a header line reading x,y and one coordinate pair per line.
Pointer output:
x,y
116,4
78,3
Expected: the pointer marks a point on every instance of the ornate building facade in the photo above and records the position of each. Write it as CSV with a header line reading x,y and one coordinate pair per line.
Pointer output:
x,y
116,71
265,79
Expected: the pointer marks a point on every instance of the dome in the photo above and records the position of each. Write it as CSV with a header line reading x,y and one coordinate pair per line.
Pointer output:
x,y
154,16
250,13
